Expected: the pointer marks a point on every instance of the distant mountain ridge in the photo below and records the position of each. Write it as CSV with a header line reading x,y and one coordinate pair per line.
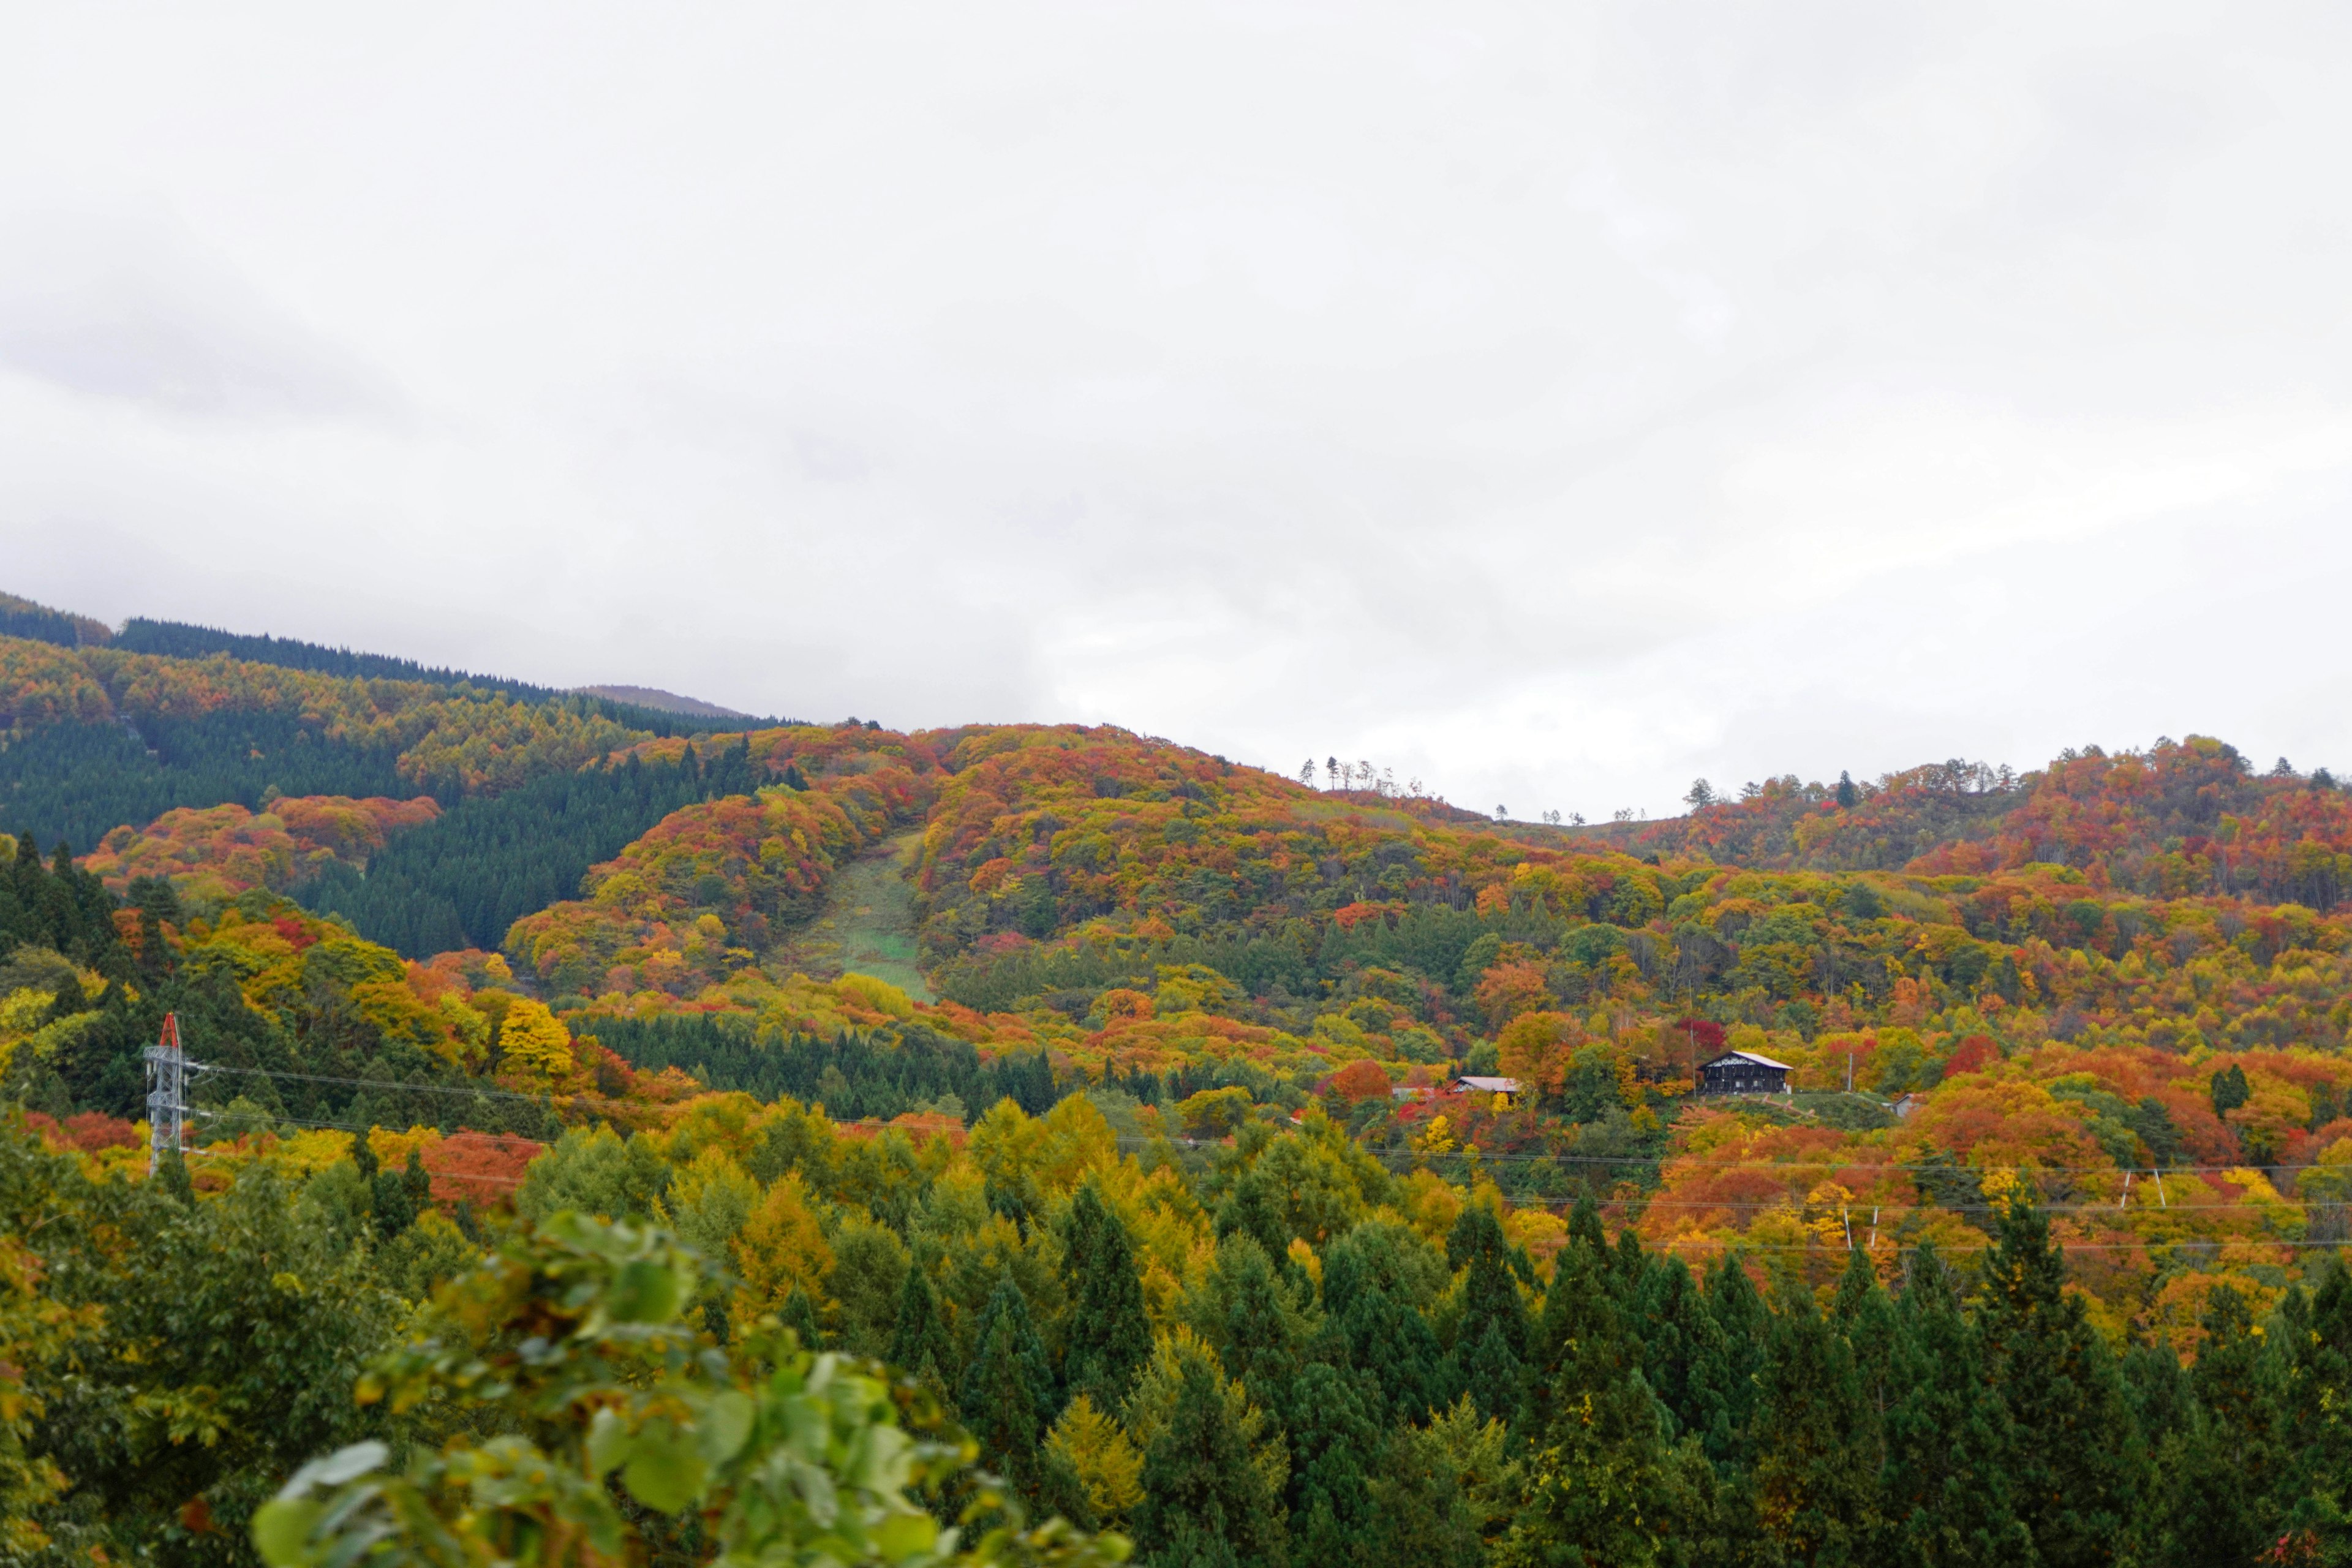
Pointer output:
x,y
661,701
22,617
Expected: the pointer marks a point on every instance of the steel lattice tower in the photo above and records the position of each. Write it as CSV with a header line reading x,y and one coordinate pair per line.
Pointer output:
x,y
167,1093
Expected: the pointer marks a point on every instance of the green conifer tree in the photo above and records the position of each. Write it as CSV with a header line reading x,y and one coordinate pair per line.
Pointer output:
x,y
1571,1303
2075,1472
1604,1483
1261,1336
1368,1329
800,1316
1213,1476
1334,1451
2318,1401
1008,1390
1944,1497
1106,1330
920,1341
1669,1316
1816,1443
1727,1336
2222,1476
1490,1341
1584,1224
1254,1209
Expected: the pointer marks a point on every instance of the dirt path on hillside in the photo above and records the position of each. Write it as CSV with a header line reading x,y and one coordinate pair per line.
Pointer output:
x,y
867,924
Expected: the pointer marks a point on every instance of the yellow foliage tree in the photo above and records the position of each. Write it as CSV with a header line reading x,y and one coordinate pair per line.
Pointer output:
x,y
710,1200
781,1246
1106,1463
1537,1048
535,1043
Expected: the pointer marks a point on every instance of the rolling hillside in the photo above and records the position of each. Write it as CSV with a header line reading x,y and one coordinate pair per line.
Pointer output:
x,y
874,1018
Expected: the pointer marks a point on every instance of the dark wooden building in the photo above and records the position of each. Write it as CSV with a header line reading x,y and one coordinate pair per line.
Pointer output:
x,y
1743,1072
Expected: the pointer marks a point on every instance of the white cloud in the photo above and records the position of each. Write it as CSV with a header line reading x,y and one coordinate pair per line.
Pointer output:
x,y
1554,403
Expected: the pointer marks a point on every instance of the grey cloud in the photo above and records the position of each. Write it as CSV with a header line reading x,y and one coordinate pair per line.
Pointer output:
x,y
134,311
1557,406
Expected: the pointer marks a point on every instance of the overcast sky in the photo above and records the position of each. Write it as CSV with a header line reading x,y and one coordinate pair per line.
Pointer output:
x,y
1552,401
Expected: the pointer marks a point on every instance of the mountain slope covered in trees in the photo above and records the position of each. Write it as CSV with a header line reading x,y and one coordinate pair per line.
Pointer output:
x,y
1165,1197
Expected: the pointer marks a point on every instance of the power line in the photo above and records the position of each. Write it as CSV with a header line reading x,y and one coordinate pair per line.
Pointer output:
x,y
387,1083
1735,1245
1686,1162
1643,1203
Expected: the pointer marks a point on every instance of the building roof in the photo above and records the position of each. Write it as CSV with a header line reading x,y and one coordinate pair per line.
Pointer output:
x,y
1489,1085
1751,1059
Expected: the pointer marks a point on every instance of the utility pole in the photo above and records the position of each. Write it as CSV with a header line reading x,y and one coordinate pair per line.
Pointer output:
x,y
167,1093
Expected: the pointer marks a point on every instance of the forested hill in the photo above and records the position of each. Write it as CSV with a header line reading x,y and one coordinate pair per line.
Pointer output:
x,y
1172,1195
179,639
2181,816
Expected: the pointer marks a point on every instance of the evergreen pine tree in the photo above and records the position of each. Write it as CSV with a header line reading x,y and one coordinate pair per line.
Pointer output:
x,y
1490,1341
920,1341
1008,1389
2221,1475
1945,1497
1669,1316
1492,1374
1816,1443
1584,1224
800,1316
1254,1209
1724,1366
1366,1328
1105,1331
1865,1314
1213,1476
395,1208
1627,1263
2319,1410
1603,1484
1334,1451
1572,1305
1261,1337
2074,1471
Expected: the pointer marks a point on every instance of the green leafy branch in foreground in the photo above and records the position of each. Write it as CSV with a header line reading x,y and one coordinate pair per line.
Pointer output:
x,y
622,1438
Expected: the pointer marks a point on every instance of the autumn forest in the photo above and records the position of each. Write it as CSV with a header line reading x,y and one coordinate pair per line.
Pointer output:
x,y
617,1135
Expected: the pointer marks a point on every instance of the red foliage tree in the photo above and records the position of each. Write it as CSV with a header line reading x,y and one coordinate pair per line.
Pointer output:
x,y
1974,1052
1359,1080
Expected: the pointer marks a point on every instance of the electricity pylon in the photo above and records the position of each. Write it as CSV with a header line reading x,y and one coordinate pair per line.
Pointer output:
x,y
167,1093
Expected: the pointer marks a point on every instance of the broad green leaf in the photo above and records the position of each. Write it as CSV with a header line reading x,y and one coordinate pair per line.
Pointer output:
x,y
335,1469
608,1441
726,1426
905,1535
815,1483
806,1426
281,1531
663,1472
643,1292
882,1460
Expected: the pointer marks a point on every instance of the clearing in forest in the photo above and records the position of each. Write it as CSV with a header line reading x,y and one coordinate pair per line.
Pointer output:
x,y
867,924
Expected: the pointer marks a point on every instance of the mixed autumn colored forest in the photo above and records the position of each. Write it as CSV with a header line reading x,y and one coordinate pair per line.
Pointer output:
x,y
1136,1195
